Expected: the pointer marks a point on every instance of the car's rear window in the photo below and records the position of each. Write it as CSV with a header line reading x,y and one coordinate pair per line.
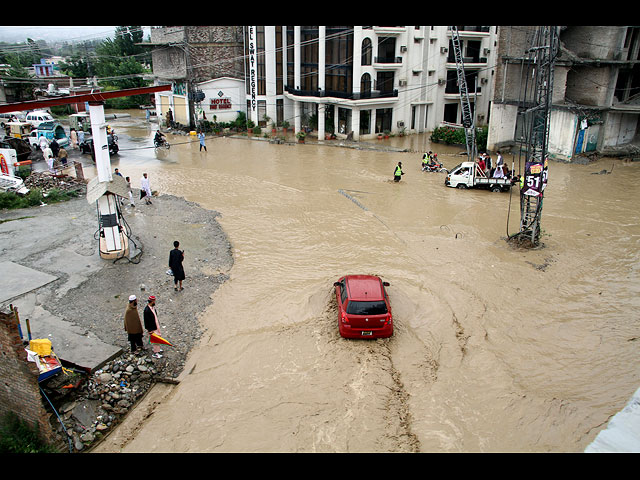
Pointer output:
x,y
367,308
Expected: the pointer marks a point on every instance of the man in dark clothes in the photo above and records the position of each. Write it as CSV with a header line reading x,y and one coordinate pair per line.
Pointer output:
x,y
132,324
176,258
151,323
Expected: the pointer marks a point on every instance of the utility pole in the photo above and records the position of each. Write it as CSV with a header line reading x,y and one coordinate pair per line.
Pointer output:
x,y
535,117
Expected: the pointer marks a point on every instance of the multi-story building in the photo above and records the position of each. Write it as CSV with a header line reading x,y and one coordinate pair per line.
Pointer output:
x,y
596,90
365,80
205,68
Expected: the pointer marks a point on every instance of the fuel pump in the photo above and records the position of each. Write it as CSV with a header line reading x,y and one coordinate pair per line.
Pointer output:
x,y
105,189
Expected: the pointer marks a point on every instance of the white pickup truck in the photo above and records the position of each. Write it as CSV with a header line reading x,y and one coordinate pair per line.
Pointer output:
x,y
468,175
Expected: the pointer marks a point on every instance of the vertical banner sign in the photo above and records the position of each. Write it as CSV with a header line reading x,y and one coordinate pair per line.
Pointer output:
x,y
535,178
252,71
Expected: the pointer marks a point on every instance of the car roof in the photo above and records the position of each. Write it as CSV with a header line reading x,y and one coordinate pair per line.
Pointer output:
x,y
364,287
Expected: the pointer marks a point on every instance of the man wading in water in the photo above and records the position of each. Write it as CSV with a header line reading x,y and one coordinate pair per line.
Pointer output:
x,y
398,172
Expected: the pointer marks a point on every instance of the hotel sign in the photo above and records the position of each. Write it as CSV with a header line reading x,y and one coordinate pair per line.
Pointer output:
x,y
221,103
252,69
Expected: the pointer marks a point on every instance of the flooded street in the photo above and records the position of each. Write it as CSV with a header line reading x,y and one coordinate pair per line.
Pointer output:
x,y
494,349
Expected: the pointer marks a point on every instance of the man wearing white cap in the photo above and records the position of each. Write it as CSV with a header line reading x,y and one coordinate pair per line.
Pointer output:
x,y
132,324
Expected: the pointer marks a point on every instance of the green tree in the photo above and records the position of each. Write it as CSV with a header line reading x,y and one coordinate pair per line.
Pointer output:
x,y
19,79
76,66
120,65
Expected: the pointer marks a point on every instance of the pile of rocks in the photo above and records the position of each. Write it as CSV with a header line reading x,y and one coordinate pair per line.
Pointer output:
x,y
106,396
46,182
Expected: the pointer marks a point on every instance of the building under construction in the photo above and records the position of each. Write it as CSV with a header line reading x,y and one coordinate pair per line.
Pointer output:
x,y
595,102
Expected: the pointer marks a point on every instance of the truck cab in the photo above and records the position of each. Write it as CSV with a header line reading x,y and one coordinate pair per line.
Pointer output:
x,y
461,176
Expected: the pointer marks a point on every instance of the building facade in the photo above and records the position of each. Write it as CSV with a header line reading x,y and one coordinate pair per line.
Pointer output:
x,y
360,81
189,58
596,90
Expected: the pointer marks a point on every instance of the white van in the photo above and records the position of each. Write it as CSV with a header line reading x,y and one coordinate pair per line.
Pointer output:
x,y
10,116
36,117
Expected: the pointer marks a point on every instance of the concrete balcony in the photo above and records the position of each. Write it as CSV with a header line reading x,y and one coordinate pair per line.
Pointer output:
x,y
389,30
471,31
387,62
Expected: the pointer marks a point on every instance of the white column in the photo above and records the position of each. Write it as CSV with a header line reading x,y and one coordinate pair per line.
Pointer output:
x,y
270,68
296,78
322,47
357,58
296,63
355,123
321,108
100,145
297,122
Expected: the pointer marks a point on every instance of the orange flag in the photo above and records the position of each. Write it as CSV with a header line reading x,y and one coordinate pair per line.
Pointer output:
x,y
155,338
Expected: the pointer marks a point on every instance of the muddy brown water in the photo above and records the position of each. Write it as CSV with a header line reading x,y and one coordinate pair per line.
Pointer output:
x,y
495,349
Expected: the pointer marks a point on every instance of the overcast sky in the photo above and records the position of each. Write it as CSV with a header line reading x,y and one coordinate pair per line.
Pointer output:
x,y
76,33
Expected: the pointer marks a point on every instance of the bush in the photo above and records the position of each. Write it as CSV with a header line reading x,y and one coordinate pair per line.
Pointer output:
x,y
451,135
12,200
16,436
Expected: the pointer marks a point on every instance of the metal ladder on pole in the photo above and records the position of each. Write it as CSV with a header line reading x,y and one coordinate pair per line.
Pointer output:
x,y
467,116
541,61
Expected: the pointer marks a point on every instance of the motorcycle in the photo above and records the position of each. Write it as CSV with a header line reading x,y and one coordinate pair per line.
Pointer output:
x,y
436,166
161,143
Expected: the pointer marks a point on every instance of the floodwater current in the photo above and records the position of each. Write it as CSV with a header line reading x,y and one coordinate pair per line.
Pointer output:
x,y
495,349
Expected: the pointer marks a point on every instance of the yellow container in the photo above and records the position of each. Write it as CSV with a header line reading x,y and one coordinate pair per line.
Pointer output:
x,y
192,133
42,346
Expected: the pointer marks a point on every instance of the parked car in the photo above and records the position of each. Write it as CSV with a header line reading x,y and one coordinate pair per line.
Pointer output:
x,y
363,307
36,117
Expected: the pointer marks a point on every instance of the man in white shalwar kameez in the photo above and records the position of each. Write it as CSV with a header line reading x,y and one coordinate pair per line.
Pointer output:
x,y
145,189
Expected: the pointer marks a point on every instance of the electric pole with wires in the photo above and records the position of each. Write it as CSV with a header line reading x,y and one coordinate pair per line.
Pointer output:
x,y
534,112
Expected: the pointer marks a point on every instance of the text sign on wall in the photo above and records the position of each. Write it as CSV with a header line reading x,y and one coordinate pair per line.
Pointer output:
x,y
252,69
221,103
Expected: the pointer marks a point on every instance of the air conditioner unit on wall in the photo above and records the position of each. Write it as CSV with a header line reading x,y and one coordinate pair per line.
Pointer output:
x,y
402,82
444,49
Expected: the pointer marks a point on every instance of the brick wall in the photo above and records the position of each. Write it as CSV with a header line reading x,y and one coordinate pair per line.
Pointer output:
x,y
19,391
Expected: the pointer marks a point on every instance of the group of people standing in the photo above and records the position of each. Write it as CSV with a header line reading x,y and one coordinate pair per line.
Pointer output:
x,y
132,323
53,152
485,164
145,188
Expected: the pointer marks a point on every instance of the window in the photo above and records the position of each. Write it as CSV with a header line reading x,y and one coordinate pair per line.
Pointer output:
x,y
309,58
365,85
367,308
261,69
339,59
279,111
383,119
290,57
365,122
279,73
367,50
451,113
262,111
386,50
384,82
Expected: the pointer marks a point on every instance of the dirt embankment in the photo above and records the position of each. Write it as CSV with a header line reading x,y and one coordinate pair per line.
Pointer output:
x,y
61,239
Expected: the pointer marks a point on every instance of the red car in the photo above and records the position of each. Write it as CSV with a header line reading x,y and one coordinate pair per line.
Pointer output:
x,y
363,305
